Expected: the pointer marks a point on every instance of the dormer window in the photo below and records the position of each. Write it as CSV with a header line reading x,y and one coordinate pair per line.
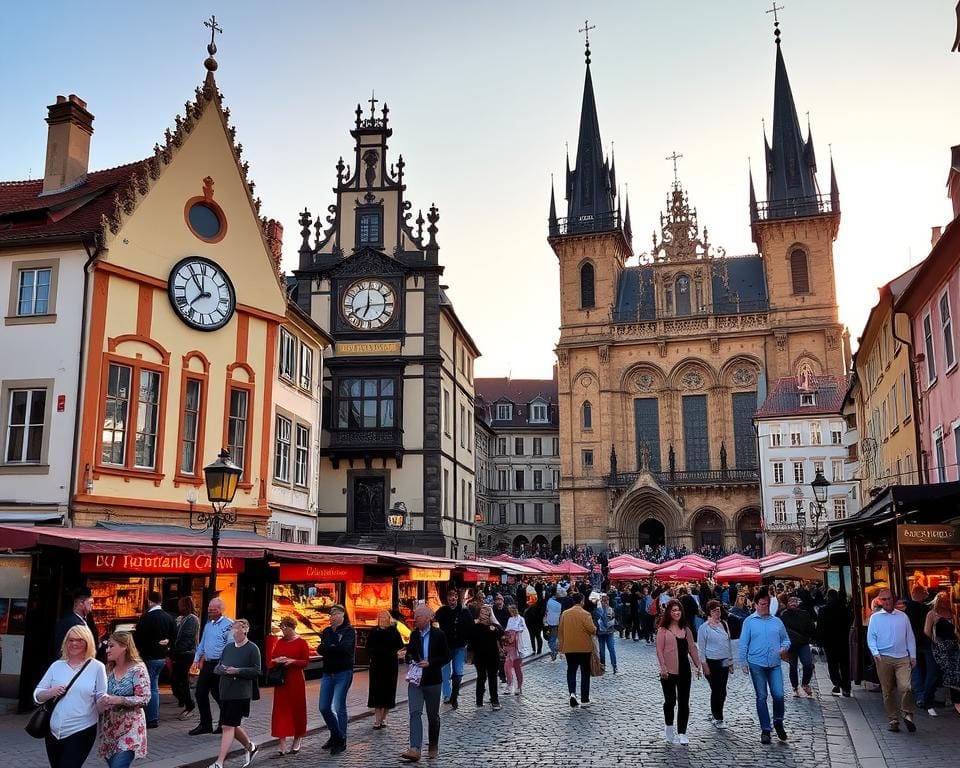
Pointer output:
x,y
538,412
370,226
504,411
808,398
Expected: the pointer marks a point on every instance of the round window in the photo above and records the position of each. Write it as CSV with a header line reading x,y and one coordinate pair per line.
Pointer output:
x,y
204,221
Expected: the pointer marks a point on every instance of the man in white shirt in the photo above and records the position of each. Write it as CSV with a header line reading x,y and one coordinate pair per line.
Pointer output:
x,y
894,650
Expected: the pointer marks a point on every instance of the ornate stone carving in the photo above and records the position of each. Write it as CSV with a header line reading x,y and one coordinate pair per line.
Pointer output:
x,y
604,353
715,344
643,382
562,357
833,340
744,377
781,342
692,380
586,380
662,348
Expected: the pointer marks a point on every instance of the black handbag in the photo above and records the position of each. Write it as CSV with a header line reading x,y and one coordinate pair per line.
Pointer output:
x,y
276,675
38,725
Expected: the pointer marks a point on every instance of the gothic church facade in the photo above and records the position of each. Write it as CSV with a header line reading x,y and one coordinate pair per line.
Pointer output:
x,y
664,356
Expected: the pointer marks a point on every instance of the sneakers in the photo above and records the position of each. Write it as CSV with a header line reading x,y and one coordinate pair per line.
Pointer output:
x,y
669,734
764,737
340,746
836,690
681,739
614,670
573,701
781,731
894,726
214,765
908,721
932,712
719,725
251,753
496,707
586,702
518,691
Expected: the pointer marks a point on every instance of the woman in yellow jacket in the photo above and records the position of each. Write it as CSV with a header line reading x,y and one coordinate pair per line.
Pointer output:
x,y
575,634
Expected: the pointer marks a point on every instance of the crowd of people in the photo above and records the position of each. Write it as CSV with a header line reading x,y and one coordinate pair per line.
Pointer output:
x,y
109,691
588,558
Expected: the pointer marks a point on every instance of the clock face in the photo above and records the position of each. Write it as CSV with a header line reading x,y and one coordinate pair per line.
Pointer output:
x,y
369,304
201,294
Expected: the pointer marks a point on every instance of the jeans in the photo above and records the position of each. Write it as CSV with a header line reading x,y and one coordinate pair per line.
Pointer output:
x,y
605,642
676,693
801,654
487,675
419,696
72,751
154,668
764,678
180,679
894,673
930,677
208,683
333,702
454,667
121,759
552,639
579,661
719,673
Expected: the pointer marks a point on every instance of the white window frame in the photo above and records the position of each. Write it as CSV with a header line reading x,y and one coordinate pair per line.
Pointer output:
x,y
10,390
282,438
816,436
301,465
504,411
946,329
306,366
288,355
798,473
36,272
836,470
928,349
538,413
840,508
778,473
779,511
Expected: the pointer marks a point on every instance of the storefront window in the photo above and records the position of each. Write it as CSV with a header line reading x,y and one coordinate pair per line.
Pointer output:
x,y
308,604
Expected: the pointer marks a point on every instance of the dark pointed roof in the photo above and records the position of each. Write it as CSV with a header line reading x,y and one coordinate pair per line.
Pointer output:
x,y
753,199
552,221
590,190
834,189
791,163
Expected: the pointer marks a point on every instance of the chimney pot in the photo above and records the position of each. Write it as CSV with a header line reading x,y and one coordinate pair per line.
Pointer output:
x,y
68,142
935,233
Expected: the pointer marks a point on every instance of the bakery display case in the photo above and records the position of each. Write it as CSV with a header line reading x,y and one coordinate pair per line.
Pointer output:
x,y
117,602
308,604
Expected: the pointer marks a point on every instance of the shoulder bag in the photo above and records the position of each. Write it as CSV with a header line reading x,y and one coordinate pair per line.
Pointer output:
x,y
597,668
38,725
276,675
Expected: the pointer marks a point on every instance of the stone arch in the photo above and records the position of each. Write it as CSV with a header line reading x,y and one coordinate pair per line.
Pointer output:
x,y
748,528
731,376
556,544
645,501
521,542
679,378
540,541
586,378
807,361
588,281
643,378
785,543
708,526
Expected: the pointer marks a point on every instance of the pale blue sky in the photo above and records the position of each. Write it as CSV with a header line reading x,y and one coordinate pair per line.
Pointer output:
x,y
483,97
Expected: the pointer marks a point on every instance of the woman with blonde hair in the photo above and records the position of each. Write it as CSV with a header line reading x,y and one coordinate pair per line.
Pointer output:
x,y
123,723
383,644
74,683
289,716
512,640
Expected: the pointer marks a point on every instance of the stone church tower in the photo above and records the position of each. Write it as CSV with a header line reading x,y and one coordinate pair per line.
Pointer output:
x,y
664,356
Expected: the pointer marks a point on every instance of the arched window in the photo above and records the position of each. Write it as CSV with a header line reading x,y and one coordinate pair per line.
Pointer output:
x,y
587,300
586,417
799,274
683,295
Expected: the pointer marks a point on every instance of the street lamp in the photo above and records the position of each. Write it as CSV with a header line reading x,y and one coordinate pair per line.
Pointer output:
x,y
821,487
477,522
396,520
801,522
221,477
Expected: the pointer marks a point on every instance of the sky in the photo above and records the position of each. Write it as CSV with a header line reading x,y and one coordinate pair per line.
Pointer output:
x,y
483,97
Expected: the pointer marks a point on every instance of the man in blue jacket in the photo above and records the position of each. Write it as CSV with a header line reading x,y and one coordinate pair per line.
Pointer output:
x,y
764,643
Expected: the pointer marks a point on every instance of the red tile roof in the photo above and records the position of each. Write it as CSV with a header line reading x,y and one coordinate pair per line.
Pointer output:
x,y
784,398
26,215
520,392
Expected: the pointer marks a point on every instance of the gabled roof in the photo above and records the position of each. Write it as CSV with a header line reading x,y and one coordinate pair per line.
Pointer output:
x,y
521,393
784,398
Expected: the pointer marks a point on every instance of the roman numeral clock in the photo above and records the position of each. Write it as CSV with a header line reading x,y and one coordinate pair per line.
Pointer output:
x,y
201,293
368,305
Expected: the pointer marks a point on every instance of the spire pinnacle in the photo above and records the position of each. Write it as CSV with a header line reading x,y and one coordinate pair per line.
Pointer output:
x,y
674,156
552,222
776,21
586,31
211,63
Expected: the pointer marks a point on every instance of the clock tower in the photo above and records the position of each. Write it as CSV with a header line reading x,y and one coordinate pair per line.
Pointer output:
x,y
402,364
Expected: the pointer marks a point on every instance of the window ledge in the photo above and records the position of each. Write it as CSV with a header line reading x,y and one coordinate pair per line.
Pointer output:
x,y
127,474
951,369
24,469
30,319
179,480
931,384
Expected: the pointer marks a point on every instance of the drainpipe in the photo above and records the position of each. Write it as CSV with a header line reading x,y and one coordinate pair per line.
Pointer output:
x,y
81,369
914,393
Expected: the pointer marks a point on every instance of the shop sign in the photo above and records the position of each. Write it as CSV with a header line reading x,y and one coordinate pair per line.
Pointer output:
x,y
296,572
368,348
475,576
928,535
429,574
147,564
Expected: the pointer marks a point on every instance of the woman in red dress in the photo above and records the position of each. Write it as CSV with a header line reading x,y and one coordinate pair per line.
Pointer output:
x,y
290,699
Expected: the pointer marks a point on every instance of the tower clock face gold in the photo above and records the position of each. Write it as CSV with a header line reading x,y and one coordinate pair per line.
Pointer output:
x,y
369,304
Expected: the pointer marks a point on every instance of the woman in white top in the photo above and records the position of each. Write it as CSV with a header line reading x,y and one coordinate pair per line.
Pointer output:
x,y
512,642
716,649
73,724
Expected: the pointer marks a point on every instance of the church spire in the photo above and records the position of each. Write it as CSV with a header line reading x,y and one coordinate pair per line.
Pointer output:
x,y
627,227
753,196
552,221
791,165
834,189
590,188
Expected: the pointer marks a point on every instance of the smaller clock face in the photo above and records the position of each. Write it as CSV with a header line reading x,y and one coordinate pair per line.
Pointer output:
x,y
369,304
201,294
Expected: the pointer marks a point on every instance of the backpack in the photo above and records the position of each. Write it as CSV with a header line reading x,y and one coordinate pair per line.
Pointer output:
x,y
652,607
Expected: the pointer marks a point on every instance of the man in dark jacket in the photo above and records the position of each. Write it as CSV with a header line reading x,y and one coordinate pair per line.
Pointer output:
x,y
917,611
154,635
503,616
429,651
337,648
80,614
833,631
802,630
456,623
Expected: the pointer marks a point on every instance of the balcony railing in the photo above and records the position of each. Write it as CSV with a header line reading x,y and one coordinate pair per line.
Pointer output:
x,y
752,316
706,477
343,439
812,205
586,224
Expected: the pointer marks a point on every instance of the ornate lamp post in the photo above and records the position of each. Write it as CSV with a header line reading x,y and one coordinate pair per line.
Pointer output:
x,y
396,520
221,477
821,487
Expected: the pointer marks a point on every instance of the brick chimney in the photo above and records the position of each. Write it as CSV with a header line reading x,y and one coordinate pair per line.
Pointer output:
x,y
68,142
275,241
935,233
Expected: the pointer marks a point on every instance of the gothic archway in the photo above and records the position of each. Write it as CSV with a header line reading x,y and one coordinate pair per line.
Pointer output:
x,y
708,529
521,544
646,501
651,533
749,529
555,545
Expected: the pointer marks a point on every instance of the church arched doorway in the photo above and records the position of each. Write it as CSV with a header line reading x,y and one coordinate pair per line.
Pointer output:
x,y
708,529
651,533
555,545
521,546
540,546
749,531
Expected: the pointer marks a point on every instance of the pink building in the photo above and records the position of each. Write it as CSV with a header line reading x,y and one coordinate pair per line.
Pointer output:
x,y
932,301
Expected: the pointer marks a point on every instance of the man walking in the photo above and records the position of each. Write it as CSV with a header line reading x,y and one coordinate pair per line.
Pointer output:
x,y
551,620
924,674
894,650
763,644
80,614
428,651
833,630
801,630
216,634
575,634
154,635
456,622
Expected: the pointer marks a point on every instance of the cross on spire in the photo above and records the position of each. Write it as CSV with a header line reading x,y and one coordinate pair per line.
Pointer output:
x,y
586,31
674,156
212,25
776,21
373,103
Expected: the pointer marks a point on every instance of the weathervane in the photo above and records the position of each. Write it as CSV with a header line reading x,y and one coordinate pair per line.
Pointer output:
x,y
211,24
586,31
776,21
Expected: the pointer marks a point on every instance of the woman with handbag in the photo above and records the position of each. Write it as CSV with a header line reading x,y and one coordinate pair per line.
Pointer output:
x,y
383,644
123,723
484,645
70,688
285,665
